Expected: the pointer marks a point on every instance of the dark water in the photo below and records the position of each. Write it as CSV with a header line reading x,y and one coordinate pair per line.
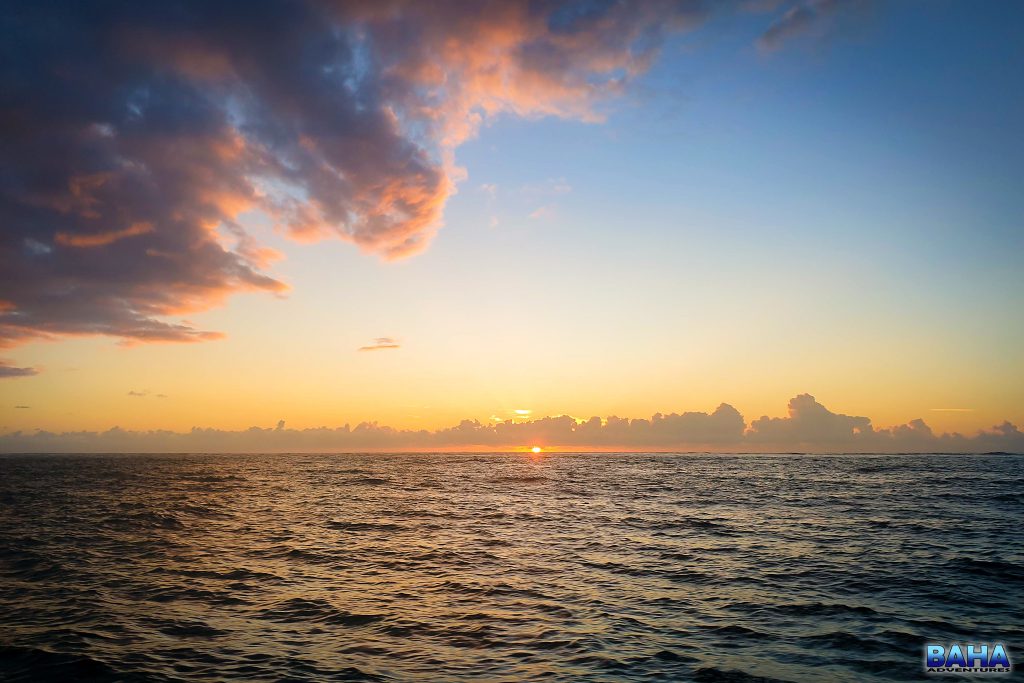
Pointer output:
x,y
504,567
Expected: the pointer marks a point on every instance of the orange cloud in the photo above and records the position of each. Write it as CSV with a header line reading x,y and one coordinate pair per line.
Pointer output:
x,y
381,343
103,238
337,120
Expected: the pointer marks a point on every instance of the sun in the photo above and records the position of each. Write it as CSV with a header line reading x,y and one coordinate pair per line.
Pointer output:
x,y
535,449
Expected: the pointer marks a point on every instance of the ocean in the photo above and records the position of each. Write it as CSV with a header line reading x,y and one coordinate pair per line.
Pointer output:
x,y
504,567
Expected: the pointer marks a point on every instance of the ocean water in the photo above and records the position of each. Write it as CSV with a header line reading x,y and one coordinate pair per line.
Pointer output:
x,y
449,567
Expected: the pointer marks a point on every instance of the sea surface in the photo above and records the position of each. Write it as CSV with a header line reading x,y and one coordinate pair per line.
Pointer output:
x,y
513,567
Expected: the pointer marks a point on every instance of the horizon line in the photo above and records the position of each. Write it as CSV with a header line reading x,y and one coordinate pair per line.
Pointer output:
x,y
809,427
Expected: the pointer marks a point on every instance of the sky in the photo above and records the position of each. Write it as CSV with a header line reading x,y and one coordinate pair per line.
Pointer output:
x,y
330,214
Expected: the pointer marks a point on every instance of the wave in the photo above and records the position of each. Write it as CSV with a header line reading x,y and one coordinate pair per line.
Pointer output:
x,y
715,675
521,479
190,629
341,525
321,568
319,611
31,665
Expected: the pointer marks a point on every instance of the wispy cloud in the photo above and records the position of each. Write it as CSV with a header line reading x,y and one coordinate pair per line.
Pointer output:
x,y
808,17
9,371
518,414
808,427
380,344
145,393
549,188
546,195
22,407
102,239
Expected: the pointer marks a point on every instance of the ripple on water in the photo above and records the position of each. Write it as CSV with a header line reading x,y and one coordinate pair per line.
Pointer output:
x,y
617,567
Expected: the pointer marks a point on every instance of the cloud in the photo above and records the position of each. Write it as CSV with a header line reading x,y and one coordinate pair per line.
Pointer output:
x,y
7,370
103,238
810,17
22,407
135,135
541,212
809,427
549,188
808,422
759,6
145,393
381,343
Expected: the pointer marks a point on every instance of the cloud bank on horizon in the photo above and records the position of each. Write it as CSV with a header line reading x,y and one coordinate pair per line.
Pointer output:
x,y
136,135
809,427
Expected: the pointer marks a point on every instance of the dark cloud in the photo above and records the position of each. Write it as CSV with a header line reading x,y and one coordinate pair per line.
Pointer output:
x,y
809,427
805,17
381,343
8,370
144,393
134,134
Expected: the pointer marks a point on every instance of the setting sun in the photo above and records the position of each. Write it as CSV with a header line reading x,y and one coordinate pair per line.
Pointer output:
x,y
535,449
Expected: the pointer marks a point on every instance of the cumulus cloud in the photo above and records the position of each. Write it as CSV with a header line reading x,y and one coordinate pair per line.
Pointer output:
x,y
136,134
8,370
808,422
809,427
381,343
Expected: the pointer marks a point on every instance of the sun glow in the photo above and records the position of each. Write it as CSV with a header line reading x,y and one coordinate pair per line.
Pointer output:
x,y
535,449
